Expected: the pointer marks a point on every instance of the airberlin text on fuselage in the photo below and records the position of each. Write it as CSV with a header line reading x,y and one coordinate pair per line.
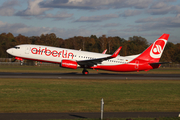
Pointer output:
x,y
54,53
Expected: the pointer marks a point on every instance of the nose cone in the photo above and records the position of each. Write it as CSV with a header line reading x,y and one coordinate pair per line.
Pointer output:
x,y
9,51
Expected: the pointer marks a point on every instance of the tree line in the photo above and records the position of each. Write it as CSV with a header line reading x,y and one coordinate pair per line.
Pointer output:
x,y
134,45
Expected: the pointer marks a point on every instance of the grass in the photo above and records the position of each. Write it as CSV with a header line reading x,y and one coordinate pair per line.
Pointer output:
x,y
59,95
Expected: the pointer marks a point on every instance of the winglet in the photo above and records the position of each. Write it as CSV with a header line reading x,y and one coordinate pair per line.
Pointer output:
x,y
115,54
104,52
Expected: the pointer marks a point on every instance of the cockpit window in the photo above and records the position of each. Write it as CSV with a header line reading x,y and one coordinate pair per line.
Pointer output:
x,y
17,47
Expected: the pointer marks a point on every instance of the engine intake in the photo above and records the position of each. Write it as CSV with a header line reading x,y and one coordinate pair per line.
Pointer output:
x,y
69,64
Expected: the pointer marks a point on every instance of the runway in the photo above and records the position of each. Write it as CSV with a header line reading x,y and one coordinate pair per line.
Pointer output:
x,y
102,76
46,116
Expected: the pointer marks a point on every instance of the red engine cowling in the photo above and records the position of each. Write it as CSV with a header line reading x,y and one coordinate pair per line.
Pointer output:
x,y
18,58
69,64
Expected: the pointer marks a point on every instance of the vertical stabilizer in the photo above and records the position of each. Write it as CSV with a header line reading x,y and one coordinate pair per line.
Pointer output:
x,y
153,53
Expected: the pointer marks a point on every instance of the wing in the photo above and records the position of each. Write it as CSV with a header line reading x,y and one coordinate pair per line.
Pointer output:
x,y
93,62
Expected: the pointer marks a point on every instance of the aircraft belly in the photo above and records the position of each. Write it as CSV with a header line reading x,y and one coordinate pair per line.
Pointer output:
x,y
126,67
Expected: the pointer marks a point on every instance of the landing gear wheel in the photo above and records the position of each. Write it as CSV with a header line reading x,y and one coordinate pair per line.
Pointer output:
x,y
85,72
21,62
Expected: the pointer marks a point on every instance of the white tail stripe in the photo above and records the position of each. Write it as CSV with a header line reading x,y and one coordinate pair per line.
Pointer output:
x,y
159,48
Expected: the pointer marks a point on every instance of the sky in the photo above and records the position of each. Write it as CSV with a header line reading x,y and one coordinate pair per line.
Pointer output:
x,y
69,18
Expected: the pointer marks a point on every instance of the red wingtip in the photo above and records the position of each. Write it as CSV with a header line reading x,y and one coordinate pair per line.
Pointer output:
x,y
164,36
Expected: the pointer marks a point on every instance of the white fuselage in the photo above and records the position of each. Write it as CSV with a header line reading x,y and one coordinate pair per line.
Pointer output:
x,y
56,55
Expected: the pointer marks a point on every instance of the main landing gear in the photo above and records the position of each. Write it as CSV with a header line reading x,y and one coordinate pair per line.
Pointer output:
x,y
21,62
85,72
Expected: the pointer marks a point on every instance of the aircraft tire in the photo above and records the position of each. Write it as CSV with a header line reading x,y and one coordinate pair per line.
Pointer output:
x,y
85,72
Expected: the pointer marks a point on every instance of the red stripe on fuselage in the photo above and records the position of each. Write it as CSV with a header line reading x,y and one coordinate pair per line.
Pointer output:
x,y
119,68
126,67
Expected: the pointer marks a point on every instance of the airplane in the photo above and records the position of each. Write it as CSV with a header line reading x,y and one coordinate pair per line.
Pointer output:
x,y
73,59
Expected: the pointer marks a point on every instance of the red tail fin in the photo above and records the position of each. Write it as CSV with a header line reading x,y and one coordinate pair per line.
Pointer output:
x,y
153,53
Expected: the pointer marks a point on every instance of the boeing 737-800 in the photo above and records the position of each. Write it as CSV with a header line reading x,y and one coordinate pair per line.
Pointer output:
x,y
68,58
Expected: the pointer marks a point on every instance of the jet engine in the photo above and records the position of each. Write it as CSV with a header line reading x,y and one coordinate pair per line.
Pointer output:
x,y
69,64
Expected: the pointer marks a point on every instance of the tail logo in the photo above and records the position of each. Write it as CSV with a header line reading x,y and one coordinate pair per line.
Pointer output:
x,y
157,48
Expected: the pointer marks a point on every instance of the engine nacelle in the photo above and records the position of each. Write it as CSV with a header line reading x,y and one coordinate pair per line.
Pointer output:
x,y
69,64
